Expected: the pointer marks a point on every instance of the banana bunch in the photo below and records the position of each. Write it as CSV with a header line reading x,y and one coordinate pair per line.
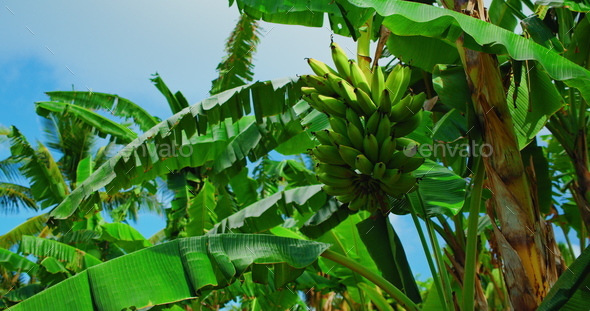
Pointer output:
x,y
361,158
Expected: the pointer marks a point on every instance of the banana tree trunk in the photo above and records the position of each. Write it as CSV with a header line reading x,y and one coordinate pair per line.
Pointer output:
x,y
529,265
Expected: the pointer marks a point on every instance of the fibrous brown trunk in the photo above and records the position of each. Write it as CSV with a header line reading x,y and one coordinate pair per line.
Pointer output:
x,y
524,239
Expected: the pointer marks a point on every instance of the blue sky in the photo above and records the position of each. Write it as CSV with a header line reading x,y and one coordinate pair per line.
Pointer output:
x,y
114,47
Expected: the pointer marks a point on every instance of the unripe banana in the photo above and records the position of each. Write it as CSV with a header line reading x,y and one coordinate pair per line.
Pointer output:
x,y
312,102
323,137
398,159
334,191
365,102
319,68
307,90
363,164
348,155
334,181
347,92
377,84
373,123
383,130
385,102
397,82
353,117
347,197
359,202
405,184
379,170
340,60
391,176
387,149
400,113
412,164
355,135
332,105
408,126
371,148
321,84
339,139
338,125
333,80
327,154
404,143
358,77
400,108
336,170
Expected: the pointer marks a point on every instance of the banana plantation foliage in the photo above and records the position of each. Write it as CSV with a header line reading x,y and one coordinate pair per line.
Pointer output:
x,y
470,122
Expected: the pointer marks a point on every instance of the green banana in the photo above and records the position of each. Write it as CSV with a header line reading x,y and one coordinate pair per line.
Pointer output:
x,y
339,139
334,181
412,164
404,143
348,155
353,117
400,113
397,160
355,135
372,122
383,130
405,184
336,170
358,202
397,82
358,77
379,170
334,191
312,102
323,137
340,60
363,164
385,102
377,84
387,149
332,105
349,96
371,148
322,85
319,68
346,197
307,90
328,154
339,126
391,176
365,102
408,126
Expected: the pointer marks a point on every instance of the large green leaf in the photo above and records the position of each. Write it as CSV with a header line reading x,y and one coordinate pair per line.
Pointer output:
x,y
180,141
31,226
442,190
572,289
118,106
173,271
74,258
406,18
390,256
125,236
271,211
13,262
201,210
104,126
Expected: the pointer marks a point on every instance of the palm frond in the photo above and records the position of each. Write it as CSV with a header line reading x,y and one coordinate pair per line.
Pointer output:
x,y
13,196
32,226
236,67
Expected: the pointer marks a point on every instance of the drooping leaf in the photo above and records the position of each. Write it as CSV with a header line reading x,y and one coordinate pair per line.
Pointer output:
x,y
14,262
74,259
104,126
270,212
442,190
125,236
170,272
32,226
118,106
